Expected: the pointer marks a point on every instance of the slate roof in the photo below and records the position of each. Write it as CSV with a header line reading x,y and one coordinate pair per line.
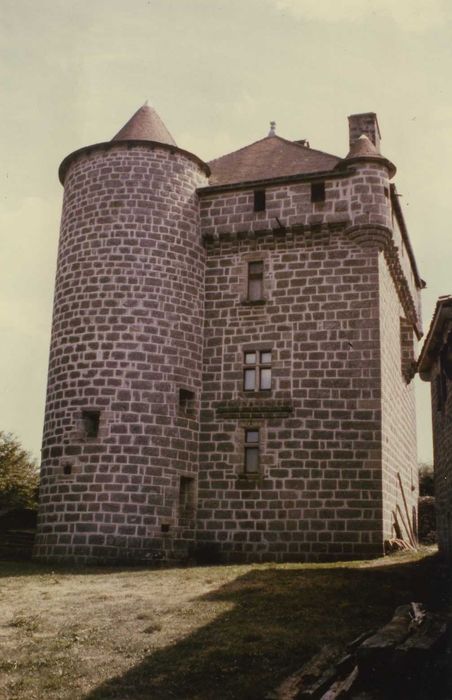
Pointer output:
x,y
269,158
145,125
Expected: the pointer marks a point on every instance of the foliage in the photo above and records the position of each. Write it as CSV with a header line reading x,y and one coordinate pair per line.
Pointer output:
x,y
426,486
19,476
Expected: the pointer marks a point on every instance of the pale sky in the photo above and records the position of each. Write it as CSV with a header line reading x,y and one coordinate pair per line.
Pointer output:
x,y
217,71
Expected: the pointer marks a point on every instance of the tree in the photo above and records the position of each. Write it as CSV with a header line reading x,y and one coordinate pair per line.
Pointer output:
x,y
426,487
19,475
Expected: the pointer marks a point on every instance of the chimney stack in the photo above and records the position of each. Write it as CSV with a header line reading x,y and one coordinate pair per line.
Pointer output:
x,y
367,124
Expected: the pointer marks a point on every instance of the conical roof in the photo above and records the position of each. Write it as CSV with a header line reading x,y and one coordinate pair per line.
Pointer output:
x,y
363,146
145,125
363,149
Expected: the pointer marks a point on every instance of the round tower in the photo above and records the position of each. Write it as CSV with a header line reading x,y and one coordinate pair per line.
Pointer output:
x,y
120,445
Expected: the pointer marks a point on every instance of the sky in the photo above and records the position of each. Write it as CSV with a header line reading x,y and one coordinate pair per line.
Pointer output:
x,y
217,71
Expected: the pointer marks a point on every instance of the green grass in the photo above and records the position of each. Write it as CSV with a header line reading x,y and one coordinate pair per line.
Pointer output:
x,y
220,632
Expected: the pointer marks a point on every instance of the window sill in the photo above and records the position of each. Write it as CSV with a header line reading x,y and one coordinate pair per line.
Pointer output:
x,y
253,302
257,405
246,476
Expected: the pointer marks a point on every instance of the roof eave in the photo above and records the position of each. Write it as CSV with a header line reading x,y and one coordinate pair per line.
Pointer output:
x,y
442,314
406,238
267,182
108,145
368,158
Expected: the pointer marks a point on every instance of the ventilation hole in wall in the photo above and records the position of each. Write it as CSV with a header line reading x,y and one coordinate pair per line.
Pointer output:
x,y
165,527
317,192
67,469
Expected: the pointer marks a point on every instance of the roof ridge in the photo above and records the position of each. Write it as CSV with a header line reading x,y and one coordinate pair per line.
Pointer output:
x,y
281,138
242,148
308,148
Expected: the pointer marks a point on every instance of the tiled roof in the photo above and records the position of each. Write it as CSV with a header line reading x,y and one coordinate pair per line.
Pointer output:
x,y
271,157
145,125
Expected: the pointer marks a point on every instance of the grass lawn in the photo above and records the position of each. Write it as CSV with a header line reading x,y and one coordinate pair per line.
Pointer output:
x,y
218,632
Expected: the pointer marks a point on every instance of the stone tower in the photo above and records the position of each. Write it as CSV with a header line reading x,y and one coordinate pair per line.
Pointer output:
x,y
232,353
121,423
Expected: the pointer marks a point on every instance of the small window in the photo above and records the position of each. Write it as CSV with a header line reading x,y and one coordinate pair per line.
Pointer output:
x,y
165,528
251,462
317,192
67,469
186,497
257,372
91,423
259,200
186,400
256,280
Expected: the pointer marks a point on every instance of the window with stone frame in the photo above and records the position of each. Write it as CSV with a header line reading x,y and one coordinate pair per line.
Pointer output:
x,y
257,371
91,421
252,451
186,401
255,282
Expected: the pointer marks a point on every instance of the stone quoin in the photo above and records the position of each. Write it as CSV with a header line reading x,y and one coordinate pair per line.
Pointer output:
x,y
232,351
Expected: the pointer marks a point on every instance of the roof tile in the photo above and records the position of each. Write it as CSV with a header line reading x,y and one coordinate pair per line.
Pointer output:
x,y
269,158
145,125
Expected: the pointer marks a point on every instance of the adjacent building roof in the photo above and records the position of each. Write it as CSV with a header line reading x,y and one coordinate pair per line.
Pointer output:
x,y
145,125
269,158
435,336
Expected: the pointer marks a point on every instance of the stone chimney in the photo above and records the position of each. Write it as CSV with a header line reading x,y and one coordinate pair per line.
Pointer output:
x,y
367,124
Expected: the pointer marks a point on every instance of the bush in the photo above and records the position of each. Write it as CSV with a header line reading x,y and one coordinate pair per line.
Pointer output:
x,y
427,520
19,475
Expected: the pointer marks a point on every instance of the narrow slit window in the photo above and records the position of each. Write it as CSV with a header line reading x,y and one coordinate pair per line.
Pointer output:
x,y
251,465
259,200
67,469
257,371
186,497
255,280
91,420
317,192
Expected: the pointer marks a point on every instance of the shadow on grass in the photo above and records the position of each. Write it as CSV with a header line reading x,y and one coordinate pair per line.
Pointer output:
x,y
279,618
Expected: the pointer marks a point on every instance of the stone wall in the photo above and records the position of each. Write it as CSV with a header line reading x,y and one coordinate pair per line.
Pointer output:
x,y
152,321
126,337
318,493
359,196
442,451
400,476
